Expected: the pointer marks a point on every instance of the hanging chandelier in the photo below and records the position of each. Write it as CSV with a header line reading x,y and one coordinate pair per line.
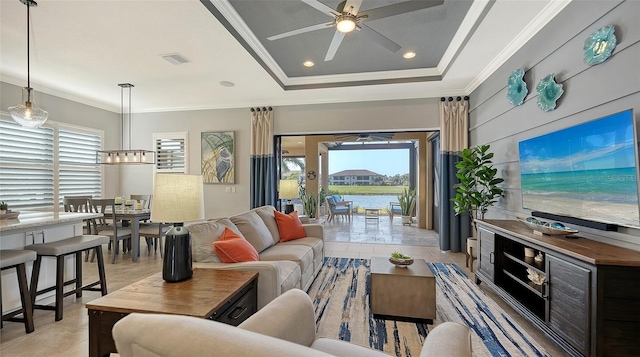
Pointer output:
x,y
129,156
27,113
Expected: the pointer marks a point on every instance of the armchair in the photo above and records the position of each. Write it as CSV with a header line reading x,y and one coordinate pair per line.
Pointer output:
x,y
284,327
341,208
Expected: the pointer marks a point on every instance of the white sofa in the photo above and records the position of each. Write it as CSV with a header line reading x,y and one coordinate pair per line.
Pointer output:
x,y
283,265
285,327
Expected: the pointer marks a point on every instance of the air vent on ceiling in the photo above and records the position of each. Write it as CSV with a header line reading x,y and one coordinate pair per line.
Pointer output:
x,y
175,58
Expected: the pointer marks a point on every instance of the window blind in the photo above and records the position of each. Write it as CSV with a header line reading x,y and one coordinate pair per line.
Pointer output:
x,y
78,172
171,153
26,166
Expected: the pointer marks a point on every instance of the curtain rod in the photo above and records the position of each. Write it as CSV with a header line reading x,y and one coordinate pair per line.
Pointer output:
x,y
264,109
466,97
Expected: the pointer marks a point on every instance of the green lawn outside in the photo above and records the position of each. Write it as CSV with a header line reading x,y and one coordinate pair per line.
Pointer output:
x,y
366,190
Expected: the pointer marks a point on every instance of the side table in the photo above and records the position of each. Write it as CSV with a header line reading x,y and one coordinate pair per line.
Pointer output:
x,y
220,295
371,213
403,292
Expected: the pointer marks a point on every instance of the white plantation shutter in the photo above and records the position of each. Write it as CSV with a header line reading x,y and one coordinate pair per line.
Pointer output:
x,y
78,172
26,166
171,152
39,166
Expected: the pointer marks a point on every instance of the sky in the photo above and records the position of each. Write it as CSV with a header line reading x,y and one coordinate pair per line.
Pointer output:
x,y
384,162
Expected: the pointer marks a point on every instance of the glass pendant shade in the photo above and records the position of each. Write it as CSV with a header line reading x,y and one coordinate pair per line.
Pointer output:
x,y
28,114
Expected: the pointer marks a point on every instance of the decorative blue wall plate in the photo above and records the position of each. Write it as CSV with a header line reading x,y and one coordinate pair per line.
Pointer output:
x,y
599,45
516,87
548,93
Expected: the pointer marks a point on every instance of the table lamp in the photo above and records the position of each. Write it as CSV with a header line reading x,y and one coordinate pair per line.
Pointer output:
x,y
177,199
288,190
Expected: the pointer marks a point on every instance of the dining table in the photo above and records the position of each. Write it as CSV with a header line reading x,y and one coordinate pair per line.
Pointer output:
x,y
134,217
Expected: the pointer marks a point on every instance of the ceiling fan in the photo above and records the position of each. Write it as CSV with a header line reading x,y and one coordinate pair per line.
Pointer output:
x,y
347,18
366,137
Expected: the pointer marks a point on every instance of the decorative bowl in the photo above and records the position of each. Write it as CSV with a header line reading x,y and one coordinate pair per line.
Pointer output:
x,y
535,277
548,93
516,87
401,263
552,229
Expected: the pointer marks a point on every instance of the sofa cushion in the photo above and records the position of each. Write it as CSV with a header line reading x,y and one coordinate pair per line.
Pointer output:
x,y
289,275
289,226
316,244
203,234
253,229
331,200
299,254
233,248
267,215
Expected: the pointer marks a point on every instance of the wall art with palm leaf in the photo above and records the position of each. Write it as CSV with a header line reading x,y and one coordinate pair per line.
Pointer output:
x,y
218,165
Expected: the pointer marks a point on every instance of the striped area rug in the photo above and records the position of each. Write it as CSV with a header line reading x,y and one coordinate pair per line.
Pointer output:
x,y
341,300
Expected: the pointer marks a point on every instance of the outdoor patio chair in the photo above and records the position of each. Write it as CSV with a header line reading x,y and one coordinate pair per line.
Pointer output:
x,y
337,210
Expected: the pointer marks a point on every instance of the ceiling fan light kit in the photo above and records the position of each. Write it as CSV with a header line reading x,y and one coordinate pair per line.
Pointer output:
x,y
346,23
28,115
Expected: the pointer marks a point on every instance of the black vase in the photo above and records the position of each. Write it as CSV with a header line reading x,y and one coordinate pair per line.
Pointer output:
x,y
177,263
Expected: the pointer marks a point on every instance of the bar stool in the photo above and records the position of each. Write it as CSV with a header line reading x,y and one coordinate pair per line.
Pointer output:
x,y
10,258
60,249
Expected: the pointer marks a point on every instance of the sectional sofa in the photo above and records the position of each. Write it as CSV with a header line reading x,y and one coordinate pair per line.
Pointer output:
x,y
282,266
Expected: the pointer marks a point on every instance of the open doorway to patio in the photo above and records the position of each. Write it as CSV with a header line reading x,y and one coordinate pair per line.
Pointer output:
x,y
361,168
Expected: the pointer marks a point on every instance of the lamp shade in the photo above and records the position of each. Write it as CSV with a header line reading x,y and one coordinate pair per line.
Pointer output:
x,y
288,189
177,198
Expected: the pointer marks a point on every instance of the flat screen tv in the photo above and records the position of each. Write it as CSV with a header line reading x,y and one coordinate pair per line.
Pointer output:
x,y
588,171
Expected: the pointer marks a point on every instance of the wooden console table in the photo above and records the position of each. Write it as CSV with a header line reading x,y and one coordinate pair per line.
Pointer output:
x,y
221,295
589,302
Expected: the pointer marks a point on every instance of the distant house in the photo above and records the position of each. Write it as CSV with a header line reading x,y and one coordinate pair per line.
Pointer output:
x,y
354,178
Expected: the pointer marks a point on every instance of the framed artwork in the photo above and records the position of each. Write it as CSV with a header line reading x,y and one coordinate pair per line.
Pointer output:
x,y
217,162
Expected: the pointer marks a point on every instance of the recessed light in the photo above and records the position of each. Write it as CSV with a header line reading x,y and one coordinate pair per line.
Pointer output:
x,y
409,54
308,63
227,84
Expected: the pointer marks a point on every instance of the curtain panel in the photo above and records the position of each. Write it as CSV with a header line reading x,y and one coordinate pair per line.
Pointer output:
x,y
454,137
262,171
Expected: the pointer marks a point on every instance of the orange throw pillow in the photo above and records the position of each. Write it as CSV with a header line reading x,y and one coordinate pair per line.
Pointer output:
x,y
289,226
232,248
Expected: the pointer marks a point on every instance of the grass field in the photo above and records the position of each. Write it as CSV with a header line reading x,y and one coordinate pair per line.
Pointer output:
x,y
366,190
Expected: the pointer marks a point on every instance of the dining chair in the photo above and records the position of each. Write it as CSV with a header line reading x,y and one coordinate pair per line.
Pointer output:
x,y
78,204
108,225
153,233
146,200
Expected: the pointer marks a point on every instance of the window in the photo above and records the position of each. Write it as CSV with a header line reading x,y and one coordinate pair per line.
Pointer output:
x,y
171,152
39,166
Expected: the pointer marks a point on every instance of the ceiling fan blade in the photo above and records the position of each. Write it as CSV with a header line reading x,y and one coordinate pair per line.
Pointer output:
x,y
376,37
399,8
355,4
321,7
299,31
333,47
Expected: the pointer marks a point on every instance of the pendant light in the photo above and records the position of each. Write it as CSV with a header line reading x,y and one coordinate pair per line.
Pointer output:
x,y
28,114
129,156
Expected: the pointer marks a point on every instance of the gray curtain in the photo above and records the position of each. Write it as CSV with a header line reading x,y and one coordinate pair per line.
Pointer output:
x,y
263,188
454,137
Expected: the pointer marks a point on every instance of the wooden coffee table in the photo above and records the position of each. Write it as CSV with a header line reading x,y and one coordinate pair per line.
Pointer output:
x,y
221,295
407,293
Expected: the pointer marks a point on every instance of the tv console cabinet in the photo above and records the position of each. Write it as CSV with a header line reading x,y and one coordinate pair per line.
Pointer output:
x,y
589,302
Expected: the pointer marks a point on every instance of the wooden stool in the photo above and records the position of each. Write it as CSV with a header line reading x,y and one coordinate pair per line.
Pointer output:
x,y
59,249
471,253
18,259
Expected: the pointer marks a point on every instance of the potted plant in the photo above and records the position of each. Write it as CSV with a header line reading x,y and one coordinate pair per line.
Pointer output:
x,y
4,207
310,205
407,200
478,188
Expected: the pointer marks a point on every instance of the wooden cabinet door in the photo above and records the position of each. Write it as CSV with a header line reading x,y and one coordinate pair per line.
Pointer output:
x,y
486,256
569,291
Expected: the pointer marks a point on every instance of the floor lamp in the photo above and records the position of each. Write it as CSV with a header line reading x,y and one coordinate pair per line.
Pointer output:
x,y
288,190
177,199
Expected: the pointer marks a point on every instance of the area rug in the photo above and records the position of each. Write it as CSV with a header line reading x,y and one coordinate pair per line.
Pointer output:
x,y
340,295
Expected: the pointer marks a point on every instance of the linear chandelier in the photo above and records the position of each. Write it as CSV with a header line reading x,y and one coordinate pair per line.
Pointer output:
x,y
129,156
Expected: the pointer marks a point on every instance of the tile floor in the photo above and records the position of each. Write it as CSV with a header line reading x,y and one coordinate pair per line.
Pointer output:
x,y
358,239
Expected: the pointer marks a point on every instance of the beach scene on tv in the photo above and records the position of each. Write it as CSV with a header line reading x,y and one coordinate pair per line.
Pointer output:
x,y
586,171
